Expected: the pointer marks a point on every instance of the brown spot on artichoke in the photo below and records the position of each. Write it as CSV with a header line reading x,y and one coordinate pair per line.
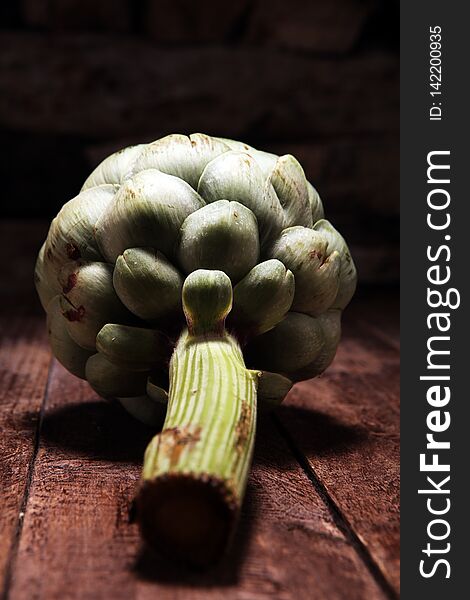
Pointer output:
x,y
174,440
91,302
74,314
71,235
72,251
71,283
243,426
67,352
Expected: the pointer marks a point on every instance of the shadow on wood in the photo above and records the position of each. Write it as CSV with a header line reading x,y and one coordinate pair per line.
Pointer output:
x,y
153,567
325,434
98,429
105,431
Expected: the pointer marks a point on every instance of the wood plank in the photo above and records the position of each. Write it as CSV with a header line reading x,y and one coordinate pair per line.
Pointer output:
x,y
77,541
346,424
24,360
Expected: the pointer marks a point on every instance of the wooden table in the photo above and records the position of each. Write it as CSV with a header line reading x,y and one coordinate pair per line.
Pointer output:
x,y
321,516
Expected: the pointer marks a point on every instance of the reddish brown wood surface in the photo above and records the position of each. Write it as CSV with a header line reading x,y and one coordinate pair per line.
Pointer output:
x,y
24,361
320,519
346,424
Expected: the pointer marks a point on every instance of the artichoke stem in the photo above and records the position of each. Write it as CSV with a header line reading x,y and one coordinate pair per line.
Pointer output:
x,y
196,469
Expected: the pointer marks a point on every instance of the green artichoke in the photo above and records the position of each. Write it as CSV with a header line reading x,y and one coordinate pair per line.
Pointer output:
x,y
194,275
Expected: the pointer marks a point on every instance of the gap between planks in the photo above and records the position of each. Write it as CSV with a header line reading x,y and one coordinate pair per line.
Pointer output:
x,y
338,517
390,340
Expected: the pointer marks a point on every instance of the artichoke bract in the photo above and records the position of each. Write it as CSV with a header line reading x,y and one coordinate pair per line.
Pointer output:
x,y
197,276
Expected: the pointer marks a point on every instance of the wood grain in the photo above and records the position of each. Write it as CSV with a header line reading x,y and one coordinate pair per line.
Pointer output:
x,y
346,424
24,360
77,529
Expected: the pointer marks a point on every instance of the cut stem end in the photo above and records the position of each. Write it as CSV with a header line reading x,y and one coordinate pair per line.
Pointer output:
x,y
187,518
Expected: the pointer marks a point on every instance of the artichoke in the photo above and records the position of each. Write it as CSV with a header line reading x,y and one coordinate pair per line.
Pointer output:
x,y
195,275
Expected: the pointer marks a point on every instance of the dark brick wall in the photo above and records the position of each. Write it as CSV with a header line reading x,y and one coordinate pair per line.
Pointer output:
x,y
316,78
